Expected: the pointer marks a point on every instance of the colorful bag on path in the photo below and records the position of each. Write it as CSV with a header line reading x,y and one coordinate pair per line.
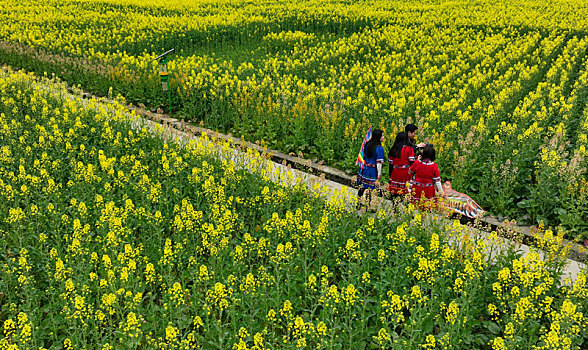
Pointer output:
x,y
460,203
361,156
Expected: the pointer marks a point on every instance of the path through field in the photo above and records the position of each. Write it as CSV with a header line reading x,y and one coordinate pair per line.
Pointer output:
x,y
316,184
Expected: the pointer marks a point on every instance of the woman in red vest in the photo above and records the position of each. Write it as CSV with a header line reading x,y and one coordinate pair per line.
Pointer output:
x,y
400,158
426,180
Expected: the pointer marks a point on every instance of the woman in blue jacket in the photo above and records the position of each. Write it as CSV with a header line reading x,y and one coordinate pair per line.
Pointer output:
x,y
369,176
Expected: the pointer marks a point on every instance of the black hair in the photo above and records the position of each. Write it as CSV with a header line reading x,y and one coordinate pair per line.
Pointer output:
x,y
401,141
429,152
410,128
375,140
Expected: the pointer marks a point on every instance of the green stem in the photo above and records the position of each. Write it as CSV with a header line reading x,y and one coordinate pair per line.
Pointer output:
x,y
169,99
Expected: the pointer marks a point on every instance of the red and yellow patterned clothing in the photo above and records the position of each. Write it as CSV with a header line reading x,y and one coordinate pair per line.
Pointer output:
x,y
426,173
400,175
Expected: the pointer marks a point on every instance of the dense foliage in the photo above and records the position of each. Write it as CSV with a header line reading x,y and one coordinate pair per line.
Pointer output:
x,y
113,238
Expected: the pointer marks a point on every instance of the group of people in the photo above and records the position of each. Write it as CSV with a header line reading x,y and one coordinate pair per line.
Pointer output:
x,y
412,168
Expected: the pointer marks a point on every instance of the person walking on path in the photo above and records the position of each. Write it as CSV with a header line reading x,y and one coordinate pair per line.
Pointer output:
x,y
370,173
400,158
426,180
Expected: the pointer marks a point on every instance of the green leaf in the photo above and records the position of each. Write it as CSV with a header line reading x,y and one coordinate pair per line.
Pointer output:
x,y
492,327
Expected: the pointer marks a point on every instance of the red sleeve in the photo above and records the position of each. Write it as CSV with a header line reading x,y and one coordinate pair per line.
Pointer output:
x,y
413,167
436,175
409,153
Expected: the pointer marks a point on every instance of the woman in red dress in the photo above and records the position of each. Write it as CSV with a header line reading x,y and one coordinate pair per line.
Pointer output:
x,y
400,158
426,180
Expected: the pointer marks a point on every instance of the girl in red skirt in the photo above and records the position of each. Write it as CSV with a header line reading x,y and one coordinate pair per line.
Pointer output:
x,y
426,180
400,158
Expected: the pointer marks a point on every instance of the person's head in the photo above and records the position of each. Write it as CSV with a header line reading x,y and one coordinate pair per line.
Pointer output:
x,y
375,140
400,141
379,134
411,130
428,152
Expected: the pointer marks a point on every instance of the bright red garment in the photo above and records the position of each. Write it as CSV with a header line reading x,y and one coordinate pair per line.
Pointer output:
x,y
426,173
400,175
